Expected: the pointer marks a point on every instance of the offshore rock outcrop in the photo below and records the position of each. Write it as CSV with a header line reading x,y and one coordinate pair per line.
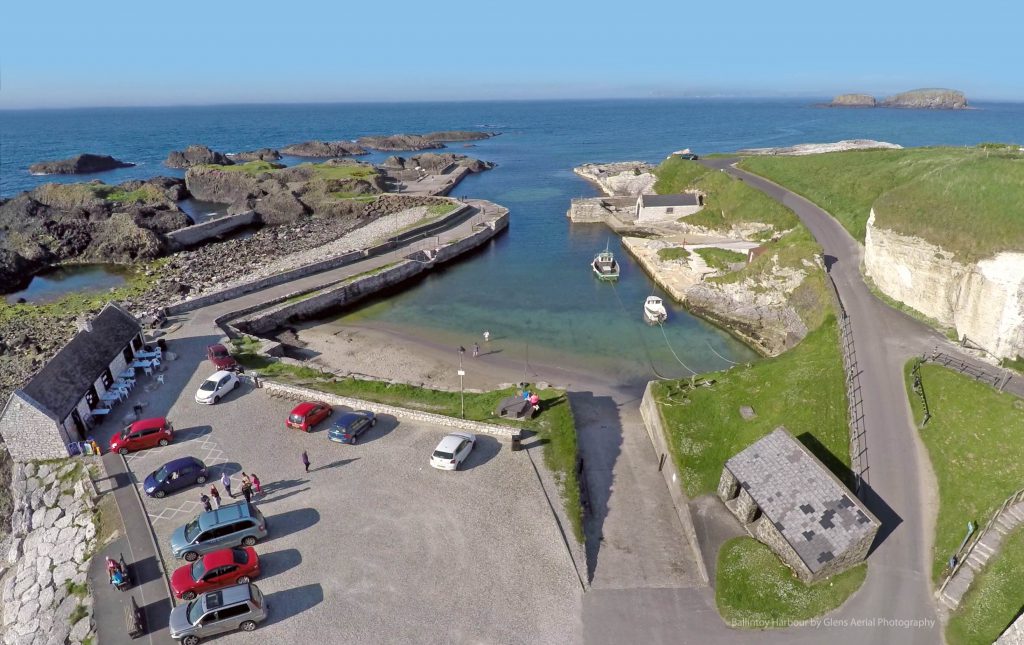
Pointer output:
x,y
263,154
983,300
620,178
324,149
853,100
82,164
923,99
436,162
431,140
195,155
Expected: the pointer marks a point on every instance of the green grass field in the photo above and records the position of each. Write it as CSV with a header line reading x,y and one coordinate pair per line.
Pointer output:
x,y
968,439
554,425
802,389
754,589
720,259
967,200
673,253
995,598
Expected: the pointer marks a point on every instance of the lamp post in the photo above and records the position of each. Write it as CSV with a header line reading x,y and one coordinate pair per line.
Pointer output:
x,y
462,374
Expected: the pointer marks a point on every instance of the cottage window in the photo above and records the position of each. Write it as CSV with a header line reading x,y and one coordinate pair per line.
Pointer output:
x,y
137,342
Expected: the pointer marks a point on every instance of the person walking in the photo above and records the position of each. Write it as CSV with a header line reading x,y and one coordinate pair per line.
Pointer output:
x,y
305,460
487,336
476,350
247,491
215,494
205,499
256,485
225,481
246,480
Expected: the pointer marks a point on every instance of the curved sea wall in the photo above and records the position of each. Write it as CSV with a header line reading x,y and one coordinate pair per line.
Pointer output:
x,y
983,301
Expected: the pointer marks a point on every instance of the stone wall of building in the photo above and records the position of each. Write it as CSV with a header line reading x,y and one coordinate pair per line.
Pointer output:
x,y
728,486
765,532
29,433
53,534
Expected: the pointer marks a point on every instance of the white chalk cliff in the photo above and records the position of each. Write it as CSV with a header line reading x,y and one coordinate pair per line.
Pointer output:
x,y
983,300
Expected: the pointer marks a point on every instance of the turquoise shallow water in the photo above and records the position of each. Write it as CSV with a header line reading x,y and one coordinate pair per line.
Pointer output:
x,y
532,285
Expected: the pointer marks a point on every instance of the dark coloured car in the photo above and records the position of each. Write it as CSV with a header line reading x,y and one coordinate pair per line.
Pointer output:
x,y
349,426
143,434
175,475
215,570
221,359
306,415
689,156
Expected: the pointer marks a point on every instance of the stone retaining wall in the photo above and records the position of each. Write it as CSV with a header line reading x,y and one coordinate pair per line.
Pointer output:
x,y
214,228
52,536
656,433
308,394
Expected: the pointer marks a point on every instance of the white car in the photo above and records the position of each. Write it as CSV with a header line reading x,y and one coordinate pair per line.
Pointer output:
x,y
452,451
215,387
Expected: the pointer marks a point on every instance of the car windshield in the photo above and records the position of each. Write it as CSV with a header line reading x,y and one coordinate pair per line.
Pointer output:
x,y
296,418
241,556
192,530
198,569
161,474
195,611
440,454
209,386
220,352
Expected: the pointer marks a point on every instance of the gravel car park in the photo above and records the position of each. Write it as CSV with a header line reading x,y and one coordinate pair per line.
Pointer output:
x,y
371,545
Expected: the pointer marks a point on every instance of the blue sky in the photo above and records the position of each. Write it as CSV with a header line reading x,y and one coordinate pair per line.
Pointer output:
x,y
66,54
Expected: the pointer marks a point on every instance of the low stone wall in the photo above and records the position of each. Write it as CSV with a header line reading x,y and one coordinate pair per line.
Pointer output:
x,y
319,267
214,228
656,433
308,394
52,535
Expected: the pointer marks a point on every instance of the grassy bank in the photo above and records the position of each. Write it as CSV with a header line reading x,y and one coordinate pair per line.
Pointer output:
x,y
802,389
935,193
968,436
721,259
554,425
995,598
754,589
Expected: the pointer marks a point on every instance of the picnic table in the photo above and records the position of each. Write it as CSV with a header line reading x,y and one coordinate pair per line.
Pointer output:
x,y
113,395
148,355
99,412
128,374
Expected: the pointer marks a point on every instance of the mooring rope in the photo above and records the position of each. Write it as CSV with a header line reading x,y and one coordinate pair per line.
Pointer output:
x,y
650,361
674,351
720,356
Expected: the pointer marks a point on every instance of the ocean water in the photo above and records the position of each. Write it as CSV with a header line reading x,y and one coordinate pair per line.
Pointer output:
x,y
532,287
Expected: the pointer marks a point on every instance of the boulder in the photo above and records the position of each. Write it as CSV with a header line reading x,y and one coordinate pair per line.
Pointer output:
x,y
78,165
263,154
195,155
324,149
80,630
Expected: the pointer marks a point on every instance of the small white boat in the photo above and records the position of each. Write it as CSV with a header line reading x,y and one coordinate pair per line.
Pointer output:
x,y
605,267
654,310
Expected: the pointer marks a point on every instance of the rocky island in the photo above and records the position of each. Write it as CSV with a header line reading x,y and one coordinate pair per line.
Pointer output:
x,y
195,155
923,99
431,140
82,164
324,149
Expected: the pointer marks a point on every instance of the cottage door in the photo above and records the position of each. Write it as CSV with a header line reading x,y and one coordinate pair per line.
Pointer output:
x,y
79,425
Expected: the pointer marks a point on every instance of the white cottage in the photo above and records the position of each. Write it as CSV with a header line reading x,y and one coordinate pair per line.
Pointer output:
x,y
654,208
53,409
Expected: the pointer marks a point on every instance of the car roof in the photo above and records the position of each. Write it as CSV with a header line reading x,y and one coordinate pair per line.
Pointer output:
x,y
225,514
452,441
226,596
217,347
218,375
146,424
174,464
305,407
352,416
219,558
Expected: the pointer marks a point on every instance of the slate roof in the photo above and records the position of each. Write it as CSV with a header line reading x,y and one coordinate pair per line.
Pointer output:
x,y
677,199
814,512
62,383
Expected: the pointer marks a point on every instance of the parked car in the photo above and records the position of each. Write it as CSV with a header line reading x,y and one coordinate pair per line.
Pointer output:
x,y
175,475
306,415
453,450
223,527
215,570
689,156
349,426
142,434
232,608
214,388
221,359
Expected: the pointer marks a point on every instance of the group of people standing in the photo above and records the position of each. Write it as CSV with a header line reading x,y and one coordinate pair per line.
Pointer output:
x,y
250,487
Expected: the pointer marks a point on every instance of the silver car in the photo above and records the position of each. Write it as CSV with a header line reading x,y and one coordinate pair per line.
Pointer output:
x,y
227,610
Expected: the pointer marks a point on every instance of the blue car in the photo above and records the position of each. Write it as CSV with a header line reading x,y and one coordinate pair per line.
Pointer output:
x,y
350,425
175,475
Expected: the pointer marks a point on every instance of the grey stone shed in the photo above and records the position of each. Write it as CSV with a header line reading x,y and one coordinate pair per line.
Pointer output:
x,y
786,498
53,409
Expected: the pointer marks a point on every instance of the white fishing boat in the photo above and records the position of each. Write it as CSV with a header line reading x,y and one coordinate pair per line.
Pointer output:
x,y
654,310
605,267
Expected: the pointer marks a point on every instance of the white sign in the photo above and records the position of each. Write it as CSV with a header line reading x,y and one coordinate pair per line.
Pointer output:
x,y
462,372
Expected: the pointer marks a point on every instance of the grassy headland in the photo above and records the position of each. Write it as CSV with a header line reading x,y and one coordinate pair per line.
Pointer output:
x,y
935,193
968,436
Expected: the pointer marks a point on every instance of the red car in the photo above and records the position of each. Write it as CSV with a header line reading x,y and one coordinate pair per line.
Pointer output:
x,y
219,356
215,570
308,414
143,434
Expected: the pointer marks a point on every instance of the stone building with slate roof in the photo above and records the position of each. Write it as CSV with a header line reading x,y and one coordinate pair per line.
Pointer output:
x,y
786,498
54,408
653,208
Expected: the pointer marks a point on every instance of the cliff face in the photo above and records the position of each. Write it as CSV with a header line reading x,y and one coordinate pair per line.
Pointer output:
x,y
983,300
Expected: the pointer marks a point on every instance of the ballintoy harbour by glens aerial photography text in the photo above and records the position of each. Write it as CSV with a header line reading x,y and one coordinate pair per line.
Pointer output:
x,y
700,325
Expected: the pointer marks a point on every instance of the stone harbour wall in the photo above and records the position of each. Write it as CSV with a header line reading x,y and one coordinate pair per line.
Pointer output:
x,y
53,534
199,233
